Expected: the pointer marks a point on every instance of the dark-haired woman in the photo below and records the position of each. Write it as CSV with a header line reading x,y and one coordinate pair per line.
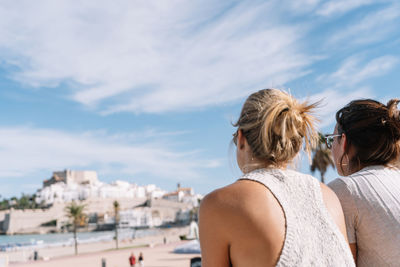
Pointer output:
x,y
273,216
366,150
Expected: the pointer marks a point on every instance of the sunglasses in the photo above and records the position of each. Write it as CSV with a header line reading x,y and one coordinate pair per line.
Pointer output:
x,y
234,139
329,138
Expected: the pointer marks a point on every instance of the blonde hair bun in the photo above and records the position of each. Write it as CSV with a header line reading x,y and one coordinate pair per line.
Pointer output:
x,y
275,125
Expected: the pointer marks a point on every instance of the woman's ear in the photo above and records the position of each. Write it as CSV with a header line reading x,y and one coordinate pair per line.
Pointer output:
x,y
240,139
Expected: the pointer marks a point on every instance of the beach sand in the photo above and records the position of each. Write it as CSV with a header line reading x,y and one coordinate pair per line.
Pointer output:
x,y
154,251
157,256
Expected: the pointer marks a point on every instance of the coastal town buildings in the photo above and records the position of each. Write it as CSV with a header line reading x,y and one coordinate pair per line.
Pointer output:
x,y
67,186
140,206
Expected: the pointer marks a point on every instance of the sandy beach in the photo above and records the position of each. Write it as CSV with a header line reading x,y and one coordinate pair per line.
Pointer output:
x,y
157,256
155,252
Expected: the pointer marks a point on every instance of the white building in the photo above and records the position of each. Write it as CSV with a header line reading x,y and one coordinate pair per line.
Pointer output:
x,y
69,185
139,217
185,195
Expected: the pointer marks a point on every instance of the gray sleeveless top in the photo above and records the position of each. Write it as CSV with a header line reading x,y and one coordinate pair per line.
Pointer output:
x,y
312,237
371,204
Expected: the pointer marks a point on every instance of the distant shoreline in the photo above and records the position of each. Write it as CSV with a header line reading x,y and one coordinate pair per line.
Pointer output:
x,y
39,241
24,254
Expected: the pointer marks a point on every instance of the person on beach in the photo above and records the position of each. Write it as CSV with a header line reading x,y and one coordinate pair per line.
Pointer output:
x,y
273,216
35,255
366,149
141,259
132,260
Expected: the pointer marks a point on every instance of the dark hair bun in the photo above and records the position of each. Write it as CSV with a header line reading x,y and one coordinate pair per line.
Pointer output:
x,y
394,117
392,108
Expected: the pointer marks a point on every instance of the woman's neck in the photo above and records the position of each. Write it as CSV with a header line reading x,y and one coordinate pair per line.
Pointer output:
x,y
256,164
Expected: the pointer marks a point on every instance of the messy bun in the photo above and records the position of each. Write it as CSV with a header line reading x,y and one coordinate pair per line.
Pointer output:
x,y
275,125
393,112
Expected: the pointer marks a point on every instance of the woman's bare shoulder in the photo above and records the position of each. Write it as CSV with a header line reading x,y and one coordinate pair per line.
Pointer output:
x,y
238,198
221,198
246,216
217,216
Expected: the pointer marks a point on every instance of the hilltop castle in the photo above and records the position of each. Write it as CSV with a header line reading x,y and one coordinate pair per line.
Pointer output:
x,y
72,177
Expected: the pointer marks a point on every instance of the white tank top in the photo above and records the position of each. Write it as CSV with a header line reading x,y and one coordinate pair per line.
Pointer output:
x,y
312,237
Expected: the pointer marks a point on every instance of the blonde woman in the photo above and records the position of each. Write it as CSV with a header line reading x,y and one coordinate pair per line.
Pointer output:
x,y
272,216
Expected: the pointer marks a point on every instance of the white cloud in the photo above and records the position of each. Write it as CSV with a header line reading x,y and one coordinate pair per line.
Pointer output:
x,y
25,150
348,83
302,6
146,56
353,71
373,27
333,100
337,7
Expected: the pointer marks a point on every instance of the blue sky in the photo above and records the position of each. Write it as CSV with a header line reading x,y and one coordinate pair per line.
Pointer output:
x,y
146,91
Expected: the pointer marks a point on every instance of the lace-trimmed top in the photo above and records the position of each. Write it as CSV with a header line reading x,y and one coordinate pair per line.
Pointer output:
x,y
312,237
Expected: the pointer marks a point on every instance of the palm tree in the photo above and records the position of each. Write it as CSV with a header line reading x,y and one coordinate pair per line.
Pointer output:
x,y
116,219
76,213
322,158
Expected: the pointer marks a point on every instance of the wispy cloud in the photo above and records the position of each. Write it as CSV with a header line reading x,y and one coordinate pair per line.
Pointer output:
x,y
25,150
348,82
302,6
151,56
373,27
332,100
354,70
338,7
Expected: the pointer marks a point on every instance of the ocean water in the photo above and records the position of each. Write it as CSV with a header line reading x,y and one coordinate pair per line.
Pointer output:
x,y
15,242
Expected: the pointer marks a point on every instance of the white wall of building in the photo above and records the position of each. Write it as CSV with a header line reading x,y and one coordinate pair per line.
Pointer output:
x,y
137,218
67,192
